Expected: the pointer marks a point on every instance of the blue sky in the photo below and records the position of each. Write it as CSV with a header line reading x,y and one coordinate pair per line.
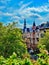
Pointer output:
x,y
17,10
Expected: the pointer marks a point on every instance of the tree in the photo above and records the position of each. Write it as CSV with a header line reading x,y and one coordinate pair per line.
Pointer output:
x,y
11,41
44,42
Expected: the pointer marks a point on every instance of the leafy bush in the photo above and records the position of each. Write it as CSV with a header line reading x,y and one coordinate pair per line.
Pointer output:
x,y
14,60
11,41
44,42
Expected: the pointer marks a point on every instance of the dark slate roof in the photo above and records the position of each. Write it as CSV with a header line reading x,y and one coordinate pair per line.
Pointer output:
x,y
44,25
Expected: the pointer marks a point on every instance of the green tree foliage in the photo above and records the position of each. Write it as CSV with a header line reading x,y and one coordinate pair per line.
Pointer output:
x,y
14,60
11,40
44,42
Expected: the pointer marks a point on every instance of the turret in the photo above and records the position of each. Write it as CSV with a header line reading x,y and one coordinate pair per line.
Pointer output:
x,y
34,29
34,25
24,23
24,28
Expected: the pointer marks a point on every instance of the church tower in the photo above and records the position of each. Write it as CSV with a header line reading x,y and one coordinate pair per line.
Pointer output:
x,y
34,31
33,44
24,29
34,25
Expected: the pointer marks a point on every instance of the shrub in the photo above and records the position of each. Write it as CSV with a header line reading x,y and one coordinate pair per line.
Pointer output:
x,y
11,41
44,42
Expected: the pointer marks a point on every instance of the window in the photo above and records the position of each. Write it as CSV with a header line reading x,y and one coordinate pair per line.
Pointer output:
x,y
33,40
44,31
37,39
42,35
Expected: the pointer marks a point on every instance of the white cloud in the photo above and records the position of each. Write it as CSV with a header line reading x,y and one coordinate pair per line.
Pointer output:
x,y
5,14
25,12
25,5
16,17
38,9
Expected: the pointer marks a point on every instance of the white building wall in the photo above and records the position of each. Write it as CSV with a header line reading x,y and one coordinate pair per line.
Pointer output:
x,y
30,36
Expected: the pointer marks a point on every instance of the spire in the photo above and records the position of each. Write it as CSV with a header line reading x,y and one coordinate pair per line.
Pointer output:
x,y
34,26
24,29
34,23
24,23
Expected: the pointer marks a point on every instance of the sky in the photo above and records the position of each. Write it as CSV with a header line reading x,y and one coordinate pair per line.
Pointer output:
x,y
18,10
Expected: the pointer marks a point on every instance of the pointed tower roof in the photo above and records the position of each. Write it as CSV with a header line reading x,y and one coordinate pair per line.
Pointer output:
x,y
24,23
24,28
34,26
34,23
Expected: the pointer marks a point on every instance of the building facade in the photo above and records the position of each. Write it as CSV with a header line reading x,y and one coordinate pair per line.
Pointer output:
x,y
31,35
